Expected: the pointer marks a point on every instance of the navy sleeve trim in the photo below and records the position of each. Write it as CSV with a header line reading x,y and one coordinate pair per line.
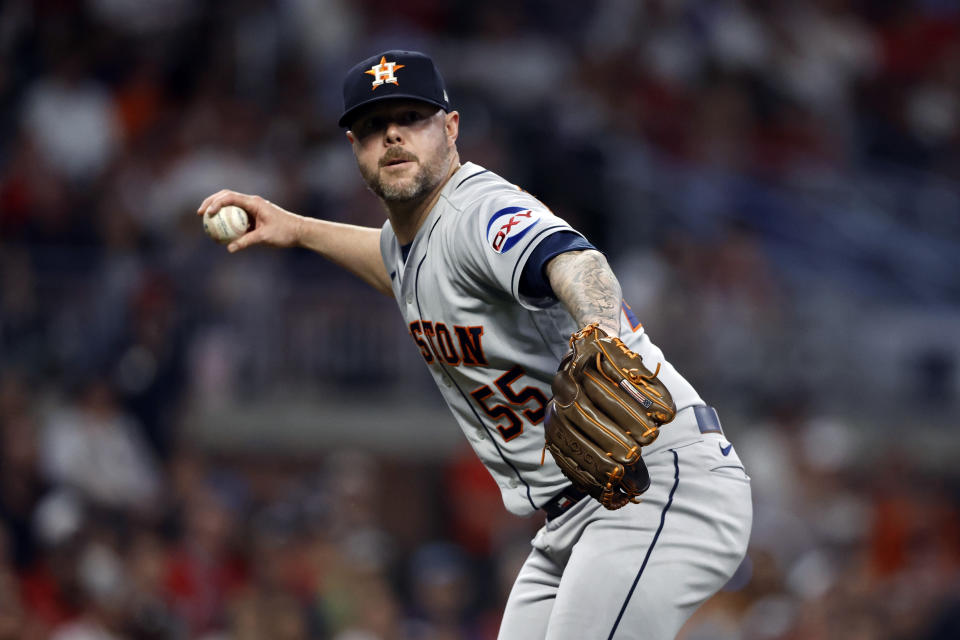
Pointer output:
x,y
533,281
471,176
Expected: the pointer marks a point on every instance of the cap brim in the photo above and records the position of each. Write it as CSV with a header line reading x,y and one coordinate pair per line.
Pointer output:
x,y
351,113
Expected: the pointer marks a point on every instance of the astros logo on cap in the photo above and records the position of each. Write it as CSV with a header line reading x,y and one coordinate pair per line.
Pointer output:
x,y
383,72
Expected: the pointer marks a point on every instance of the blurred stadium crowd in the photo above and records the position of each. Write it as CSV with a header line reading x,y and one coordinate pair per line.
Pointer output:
x,y
776,184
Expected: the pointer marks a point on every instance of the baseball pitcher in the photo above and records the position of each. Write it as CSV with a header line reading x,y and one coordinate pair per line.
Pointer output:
x,y
552,379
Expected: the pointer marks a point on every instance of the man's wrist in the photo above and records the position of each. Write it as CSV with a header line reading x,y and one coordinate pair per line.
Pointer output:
x,y
609,327
300,231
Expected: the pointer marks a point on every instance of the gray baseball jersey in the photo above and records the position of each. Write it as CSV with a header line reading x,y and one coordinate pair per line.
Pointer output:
x,y
493,354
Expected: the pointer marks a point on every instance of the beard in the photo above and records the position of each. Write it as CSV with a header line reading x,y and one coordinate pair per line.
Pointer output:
x,y
409,189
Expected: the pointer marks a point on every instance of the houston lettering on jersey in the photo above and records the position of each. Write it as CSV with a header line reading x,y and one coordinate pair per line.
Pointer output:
x,y
507,226
463,345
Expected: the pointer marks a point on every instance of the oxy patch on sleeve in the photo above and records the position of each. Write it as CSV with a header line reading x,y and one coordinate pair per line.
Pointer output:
x,y
508,225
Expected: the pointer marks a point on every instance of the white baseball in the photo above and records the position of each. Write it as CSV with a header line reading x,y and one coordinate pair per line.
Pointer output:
x,y
227,224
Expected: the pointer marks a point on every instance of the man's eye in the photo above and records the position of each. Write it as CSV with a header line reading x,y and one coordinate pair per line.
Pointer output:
x,y
411,116
369,126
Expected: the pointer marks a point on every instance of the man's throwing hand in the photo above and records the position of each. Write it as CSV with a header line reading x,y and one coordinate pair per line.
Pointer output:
x,y
269,224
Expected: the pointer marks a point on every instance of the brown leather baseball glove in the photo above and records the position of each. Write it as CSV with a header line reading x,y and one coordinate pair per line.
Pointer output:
x,y
606,406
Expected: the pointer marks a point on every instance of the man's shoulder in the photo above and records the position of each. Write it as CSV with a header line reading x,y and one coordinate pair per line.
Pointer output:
x,y
479,191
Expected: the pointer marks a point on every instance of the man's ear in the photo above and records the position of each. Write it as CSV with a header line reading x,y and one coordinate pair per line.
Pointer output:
x,y
352,138
452,125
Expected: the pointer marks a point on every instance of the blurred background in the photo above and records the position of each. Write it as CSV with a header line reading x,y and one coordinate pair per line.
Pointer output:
x,y
202,446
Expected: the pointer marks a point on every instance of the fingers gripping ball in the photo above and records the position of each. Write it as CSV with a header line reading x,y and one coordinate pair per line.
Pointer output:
x,y
606,406
227,224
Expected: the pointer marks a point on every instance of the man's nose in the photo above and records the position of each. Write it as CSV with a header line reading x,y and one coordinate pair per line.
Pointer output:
x,y
392,135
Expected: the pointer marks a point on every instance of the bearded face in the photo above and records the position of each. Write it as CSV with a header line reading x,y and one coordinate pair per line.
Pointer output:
x,y
402,150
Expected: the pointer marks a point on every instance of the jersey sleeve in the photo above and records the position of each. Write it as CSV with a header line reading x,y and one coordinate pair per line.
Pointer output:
x,y
390,253
534,284
503,233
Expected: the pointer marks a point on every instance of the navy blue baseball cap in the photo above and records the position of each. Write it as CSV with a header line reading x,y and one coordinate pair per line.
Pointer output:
x,y
392,74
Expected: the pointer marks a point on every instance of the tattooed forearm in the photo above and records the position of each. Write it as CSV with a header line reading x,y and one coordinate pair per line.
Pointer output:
x,y
584,283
